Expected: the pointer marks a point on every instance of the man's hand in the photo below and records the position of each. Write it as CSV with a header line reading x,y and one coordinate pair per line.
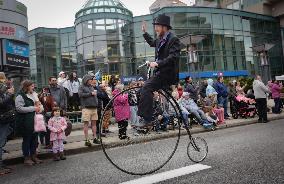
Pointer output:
x,y
144,27
153,64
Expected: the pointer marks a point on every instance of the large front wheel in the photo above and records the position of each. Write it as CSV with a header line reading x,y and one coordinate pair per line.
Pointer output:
x,y
144,152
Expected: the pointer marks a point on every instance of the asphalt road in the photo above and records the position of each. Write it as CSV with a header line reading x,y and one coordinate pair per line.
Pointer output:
x,y
246,154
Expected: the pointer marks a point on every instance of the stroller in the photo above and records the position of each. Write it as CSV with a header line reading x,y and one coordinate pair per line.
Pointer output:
x,y
243,107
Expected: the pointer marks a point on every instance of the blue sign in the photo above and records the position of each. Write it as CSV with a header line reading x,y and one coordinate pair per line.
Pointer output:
x,y
212,74
17,49
128,79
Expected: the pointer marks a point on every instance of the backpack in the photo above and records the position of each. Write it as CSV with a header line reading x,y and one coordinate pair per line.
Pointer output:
x,y
68,130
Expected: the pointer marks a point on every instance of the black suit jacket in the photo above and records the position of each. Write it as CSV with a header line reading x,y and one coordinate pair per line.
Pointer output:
x,y
169,53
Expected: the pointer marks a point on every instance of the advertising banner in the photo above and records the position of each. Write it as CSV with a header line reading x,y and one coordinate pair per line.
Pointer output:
x,y
16,54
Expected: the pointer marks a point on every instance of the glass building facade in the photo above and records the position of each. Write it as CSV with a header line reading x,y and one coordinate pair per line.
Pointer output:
x,y
51,50
107,37
229,36
104,38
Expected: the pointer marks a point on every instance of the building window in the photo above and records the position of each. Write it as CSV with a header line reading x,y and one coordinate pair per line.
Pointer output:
x,y
217,19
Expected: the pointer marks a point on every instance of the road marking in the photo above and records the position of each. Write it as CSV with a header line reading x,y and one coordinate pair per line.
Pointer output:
x,y
168,174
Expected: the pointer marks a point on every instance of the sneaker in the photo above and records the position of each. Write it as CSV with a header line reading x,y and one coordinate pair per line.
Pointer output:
x,y
136,134
96,141
108,131
88,143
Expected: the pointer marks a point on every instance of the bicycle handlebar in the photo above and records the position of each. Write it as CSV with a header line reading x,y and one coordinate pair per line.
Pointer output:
x,y
145,64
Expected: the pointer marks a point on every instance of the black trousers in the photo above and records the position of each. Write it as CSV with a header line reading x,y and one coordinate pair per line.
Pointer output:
x,y
261,105
74,102
145,105
122,128
99,120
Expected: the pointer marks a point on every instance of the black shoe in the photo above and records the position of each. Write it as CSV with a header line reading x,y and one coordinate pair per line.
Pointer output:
x,y
103,134
88,143
124,137
265,121
64,142
96,141
259,121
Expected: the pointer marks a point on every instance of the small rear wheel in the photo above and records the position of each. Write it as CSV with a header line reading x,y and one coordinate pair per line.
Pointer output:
x,y
197,149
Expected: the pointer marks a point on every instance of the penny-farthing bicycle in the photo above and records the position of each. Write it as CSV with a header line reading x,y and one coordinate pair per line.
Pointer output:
x,y
145,153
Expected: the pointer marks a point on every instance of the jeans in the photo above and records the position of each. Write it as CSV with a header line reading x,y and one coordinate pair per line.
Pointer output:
x,y
277,106
199,114
134,121
4,132
29,144
185,114
224,102
165,121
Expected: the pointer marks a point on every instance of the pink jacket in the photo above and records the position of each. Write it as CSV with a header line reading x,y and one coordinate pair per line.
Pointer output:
x,y
121,106
275,90
56,124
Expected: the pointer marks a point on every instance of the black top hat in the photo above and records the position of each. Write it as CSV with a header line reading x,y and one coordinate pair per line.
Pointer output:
x,y
163,20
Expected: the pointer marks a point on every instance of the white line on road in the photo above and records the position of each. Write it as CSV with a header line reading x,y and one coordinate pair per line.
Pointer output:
x,y
168,174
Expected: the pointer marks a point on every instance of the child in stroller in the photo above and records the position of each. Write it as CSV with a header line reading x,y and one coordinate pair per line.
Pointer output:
x,y
243,107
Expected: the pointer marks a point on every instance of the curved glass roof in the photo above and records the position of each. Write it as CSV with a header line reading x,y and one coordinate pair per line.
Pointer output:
x,y
103,6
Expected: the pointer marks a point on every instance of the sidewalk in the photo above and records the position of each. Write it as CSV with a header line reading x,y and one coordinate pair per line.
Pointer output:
x,y
75,141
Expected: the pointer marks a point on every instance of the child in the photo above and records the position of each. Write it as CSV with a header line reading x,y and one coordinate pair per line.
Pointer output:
x,y
121,110
133,102
211,117
57,124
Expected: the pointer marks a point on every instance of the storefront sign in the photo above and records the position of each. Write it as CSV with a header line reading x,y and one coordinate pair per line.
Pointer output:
x,y
16,54
7,30
107,77
13,32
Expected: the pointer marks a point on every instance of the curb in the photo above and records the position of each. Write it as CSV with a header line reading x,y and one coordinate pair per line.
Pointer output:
x,y
83,149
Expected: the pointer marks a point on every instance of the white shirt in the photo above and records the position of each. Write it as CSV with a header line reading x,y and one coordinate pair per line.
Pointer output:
x,y
75,86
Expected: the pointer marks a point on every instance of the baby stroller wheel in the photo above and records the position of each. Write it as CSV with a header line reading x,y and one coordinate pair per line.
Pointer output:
x,y
235,115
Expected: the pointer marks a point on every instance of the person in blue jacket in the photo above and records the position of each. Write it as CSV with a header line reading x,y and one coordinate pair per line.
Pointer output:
x,y
222,96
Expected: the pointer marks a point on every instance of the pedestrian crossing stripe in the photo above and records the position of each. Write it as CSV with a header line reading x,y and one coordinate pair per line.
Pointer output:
x,y
168,174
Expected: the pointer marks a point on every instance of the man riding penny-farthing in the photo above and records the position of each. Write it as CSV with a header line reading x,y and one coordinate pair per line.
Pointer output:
x,y
142,155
